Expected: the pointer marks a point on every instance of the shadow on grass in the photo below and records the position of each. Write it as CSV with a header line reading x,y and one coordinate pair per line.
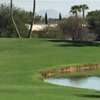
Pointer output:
x,y
89,96
67,43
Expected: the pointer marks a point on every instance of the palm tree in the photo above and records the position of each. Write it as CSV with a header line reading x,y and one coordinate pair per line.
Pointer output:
x,y
32,22
75,9
83,8
12,17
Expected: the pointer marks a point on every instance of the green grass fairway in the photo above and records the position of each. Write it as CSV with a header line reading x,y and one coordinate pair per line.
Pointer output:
x,y
22,59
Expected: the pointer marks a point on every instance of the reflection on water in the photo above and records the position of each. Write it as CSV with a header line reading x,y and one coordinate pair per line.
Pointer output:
x,y
89,82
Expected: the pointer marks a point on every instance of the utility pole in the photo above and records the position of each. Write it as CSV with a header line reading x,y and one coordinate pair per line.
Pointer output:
x,y
33,17
12,17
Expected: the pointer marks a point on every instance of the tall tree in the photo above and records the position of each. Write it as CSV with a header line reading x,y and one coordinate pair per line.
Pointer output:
x,y
33,17
18,34
83,8
60,17
75,9
93,19
73,29
46,18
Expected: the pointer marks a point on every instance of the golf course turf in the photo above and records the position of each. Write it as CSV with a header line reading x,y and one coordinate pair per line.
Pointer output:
x,y
21,60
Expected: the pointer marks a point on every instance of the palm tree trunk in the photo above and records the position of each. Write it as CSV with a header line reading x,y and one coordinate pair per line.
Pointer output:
x,y
32,22
83,14
18,34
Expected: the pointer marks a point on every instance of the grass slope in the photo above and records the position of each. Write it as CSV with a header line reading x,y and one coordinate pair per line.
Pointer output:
x,y
22,59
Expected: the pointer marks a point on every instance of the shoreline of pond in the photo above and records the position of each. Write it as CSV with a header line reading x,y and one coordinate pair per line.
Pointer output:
x,y
66,70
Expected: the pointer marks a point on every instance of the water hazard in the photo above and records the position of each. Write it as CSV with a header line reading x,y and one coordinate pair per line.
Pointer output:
x,y
89,82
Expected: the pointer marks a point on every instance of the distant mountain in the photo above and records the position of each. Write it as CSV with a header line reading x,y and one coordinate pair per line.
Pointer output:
x,y
51,13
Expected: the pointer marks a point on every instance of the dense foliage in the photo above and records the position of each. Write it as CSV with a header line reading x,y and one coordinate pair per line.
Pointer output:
x,y
21,17
93,19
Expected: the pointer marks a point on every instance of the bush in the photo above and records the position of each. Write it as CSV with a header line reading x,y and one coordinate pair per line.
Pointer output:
x,y
48,32
74,29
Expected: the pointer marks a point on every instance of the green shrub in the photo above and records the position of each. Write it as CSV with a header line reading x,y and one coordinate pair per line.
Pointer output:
x,y
6,25
49,32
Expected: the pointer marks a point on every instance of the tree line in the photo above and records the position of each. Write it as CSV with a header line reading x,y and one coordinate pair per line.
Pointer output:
x,y
74,27
80,27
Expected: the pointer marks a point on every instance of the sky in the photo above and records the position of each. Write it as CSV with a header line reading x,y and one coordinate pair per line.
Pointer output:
x,y
61,6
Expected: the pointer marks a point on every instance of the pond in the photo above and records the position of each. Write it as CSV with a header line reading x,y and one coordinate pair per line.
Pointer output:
x,y
89,82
